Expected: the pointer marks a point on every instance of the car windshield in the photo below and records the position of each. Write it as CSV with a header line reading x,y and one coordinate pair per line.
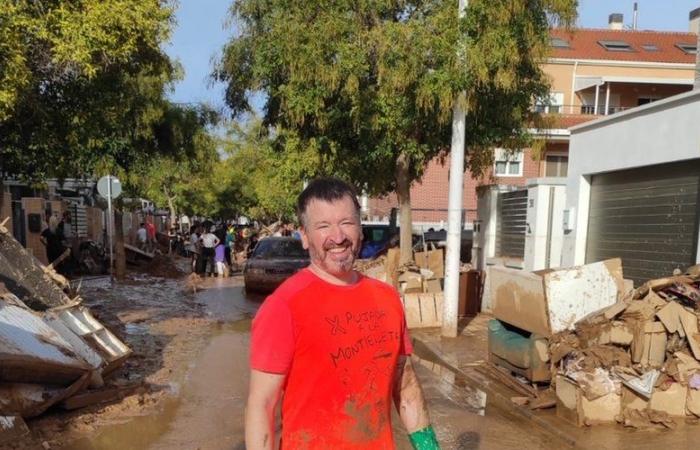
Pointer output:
x,y
273,248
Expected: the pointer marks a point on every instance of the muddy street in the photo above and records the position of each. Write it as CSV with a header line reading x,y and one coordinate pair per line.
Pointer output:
x,y
191,357
204,403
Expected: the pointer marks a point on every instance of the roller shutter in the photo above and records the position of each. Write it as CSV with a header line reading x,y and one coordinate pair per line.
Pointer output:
x,y
511,224
646,216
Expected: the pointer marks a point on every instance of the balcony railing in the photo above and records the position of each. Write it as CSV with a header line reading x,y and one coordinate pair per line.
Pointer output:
x,y
579,109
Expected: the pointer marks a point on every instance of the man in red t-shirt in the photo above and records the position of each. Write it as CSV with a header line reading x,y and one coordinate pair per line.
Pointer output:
x,y
333,344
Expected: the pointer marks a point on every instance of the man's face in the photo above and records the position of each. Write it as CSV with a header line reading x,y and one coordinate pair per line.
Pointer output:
x,y
332,233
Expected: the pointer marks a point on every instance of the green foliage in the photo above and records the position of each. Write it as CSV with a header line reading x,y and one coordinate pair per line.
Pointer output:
x,y
186,155
82,84
361,82
258,180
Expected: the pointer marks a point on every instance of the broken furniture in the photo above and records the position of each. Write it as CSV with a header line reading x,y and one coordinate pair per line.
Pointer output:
x,y
523,353
51,347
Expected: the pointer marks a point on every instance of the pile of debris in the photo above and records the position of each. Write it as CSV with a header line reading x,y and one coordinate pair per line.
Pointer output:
x,y
636,362
605,351
421,284
52,350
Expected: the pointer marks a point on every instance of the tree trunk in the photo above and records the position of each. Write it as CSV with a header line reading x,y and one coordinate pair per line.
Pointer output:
x,y
119,252
173,213
403,192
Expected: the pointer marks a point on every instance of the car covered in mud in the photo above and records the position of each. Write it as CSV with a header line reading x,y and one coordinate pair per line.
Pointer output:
x,y
273,260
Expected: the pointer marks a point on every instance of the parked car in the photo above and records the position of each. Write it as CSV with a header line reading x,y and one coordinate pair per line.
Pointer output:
x,y
273,260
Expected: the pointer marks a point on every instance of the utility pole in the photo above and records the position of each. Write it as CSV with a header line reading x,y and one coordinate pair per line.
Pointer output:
x,y
454,209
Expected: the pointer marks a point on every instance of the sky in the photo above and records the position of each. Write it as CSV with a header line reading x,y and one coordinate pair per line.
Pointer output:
x,y
200,34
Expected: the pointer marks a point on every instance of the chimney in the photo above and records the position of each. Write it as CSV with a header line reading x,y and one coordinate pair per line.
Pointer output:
x,y
615,21
635,17
694,21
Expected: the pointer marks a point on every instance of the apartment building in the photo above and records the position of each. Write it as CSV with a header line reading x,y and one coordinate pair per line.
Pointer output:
x,y
593,73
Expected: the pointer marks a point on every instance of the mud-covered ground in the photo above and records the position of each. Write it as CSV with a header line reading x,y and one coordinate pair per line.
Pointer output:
x,y
165,326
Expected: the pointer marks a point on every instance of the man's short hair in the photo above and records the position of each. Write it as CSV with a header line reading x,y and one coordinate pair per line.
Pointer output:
x,y
327,189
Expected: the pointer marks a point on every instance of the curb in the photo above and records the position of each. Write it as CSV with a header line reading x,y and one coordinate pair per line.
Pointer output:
x,y
499,399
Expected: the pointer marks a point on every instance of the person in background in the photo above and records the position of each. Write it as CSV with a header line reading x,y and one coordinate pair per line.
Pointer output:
x,y
142,237
52,238
220,260
209,242
172,239
195,247
151,229
230,244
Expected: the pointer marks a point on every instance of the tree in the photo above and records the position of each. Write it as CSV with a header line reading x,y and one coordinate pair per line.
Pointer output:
x,y
82,81
187,150
268,179
370,84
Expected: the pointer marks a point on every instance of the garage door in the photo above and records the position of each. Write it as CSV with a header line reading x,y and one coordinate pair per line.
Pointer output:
x,y
647,216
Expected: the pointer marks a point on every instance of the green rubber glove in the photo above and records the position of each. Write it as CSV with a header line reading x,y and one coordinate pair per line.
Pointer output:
x,y
424,439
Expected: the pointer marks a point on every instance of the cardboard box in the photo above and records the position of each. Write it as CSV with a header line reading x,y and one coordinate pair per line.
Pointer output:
x,y
573,406
549,302
649,344
423,310
692,404
671,401
633,400
433,260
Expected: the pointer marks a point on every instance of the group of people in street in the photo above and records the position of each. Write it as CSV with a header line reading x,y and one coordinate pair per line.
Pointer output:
x,y
212,249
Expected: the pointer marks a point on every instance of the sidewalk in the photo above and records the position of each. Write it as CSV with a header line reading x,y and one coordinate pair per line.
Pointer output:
x,y
463,354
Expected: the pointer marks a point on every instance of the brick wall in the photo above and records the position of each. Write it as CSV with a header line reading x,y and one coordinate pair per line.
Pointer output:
x,y
432,191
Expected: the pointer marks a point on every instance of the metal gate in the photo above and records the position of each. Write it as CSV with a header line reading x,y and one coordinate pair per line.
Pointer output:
x,y
511,224
646,216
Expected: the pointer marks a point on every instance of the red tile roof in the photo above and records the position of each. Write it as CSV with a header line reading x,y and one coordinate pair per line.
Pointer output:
x,y
583,44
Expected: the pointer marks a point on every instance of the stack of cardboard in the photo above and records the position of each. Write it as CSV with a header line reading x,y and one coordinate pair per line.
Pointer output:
x,y
636,362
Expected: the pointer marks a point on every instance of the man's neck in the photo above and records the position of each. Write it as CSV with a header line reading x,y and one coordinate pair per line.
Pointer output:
x,y
349,278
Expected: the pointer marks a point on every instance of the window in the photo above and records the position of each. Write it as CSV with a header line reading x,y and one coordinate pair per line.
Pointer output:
x,y
556,165
690,49
650,47
508,163
644,100
553,104
558,42
616,46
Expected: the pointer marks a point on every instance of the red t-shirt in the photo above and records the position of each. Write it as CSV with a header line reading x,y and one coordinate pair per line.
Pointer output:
x,y
338,346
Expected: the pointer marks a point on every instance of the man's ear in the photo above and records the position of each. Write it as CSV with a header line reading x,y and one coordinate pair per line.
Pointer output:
x,y
304,237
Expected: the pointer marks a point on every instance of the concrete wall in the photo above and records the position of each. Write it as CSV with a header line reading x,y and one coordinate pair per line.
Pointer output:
x,y
661,132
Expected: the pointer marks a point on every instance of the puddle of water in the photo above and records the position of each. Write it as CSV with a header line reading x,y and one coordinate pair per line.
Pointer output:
x,y
455,387
138,433
136,328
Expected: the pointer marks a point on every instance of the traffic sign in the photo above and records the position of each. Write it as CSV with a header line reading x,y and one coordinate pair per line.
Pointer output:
x,y
104,189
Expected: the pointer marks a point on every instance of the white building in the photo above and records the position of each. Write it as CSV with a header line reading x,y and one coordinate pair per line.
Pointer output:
x,y
633,187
